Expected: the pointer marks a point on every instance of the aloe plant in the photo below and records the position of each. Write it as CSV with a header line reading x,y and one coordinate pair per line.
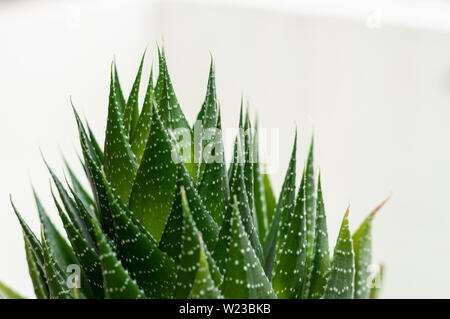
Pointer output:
x,y
163,220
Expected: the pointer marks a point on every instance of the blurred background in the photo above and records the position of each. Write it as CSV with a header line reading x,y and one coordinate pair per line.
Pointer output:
x,y
371,79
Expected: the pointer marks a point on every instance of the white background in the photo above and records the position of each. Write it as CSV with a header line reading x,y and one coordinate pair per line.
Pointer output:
x,y
371,78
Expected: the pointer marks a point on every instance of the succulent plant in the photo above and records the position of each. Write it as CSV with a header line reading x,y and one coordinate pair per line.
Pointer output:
x,y
163,218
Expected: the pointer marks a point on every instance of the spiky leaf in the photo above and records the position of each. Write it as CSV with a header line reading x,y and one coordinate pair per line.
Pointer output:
x,y
78,189
153,270
170,242
56,282
220,252
189,262
340,283
173,117
270,199
87,257
204,286
202,218
131,113
116,280
284,209
310,215
154,188
321,260
96,180
36,273
77,216
213,187
119,93
209,119
86,218
310,200
139,139
98,152
35,244
247,141
290,258
362,245
59,247
260,198
120,162
238,189
243,276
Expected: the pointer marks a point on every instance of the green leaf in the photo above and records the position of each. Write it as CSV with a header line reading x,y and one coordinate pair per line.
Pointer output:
x,y
189,262
30,236
321,260
271,201
209,120
173,118
340,282
203,220
260,199
170,242
120,162
63,252
310,201
237,156
58,246
220,254
8,293
77,216
171,238
86,217
36,273
244,276
197,132
87,257
170,110
83,195
35,254
247,140
310,216
120,98
362,245
204,286
211,107
290,258
213,187
139,139
116,280
56,282
154,188
95,179
153,270
95,146
286,214
284,210
200,115
131,113
238,189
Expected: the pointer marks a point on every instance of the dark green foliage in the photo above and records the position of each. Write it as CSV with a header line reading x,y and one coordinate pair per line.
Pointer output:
x,y
283,213
340,283
321,258
164,218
